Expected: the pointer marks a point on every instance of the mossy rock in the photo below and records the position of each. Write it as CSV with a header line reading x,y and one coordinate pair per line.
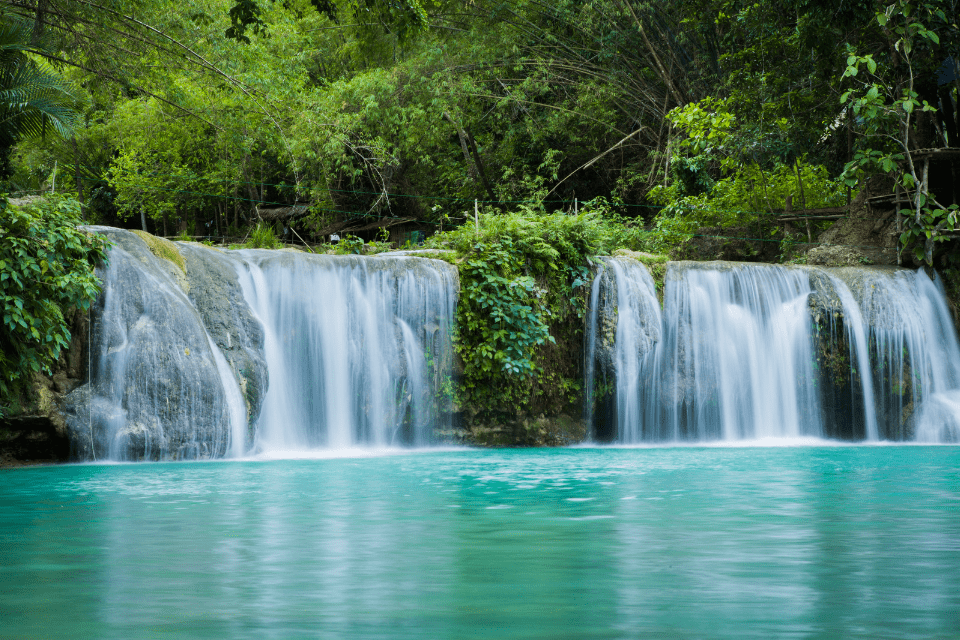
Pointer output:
x,y
655,263
517,431
163,249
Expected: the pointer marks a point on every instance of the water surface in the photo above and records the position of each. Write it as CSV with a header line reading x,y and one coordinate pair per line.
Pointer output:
x,y
705,542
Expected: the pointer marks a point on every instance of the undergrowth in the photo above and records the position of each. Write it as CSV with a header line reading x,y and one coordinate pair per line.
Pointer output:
x,y
352,245
262,236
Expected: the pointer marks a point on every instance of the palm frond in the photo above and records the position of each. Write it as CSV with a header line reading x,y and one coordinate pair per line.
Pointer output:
x,y
33,97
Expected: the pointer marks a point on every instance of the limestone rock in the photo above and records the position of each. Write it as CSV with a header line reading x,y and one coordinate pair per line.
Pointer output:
x,y
215,292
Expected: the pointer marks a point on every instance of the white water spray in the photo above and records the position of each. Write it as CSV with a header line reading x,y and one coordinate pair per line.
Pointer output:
x,y
357,348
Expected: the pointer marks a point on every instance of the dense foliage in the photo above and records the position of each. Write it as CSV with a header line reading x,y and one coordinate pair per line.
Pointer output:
x,y
524,277
196,114
893,101
46,271
673,119
32,96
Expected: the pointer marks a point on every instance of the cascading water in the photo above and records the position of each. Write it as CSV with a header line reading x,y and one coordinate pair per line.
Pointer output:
x,y
358,349
914,353
741,355
187,348
158,386
855,330
630,315
737,345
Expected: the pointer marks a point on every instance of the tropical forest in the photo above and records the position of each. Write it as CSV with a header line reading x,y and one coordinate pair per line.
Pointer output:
x,y
413,319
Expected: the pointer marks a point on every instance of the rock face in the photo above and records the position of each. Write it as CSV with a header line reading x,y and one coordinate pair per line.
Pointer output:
x,y
159,386
215,292
865,237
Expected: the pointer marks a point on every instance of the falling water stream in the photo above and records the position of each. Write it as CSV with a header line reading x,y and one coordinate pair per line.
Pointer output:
x,y
278,352
738,358
357,348
354,351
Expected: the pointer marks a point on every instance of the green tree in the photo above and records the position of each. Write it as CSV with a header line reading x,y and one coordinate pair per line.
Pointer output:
x,y
884,93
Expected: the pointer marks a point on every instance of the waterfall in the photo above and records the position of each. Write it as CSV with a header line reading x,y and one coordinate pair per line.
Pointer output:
x,y
590,350
202,353
741,353
158,388
624,311
856,330
738,344
914,354
358,348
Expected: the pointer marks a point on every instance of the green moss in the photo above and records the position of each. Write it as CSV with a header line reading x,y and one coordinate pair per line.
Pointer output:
x,y
655,263
163,249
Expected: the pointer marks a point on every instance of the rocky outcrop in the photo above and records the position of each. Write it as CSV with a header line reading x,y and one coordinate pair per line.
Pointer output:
x,y
158,386
864,237
33,428
515,431
214,289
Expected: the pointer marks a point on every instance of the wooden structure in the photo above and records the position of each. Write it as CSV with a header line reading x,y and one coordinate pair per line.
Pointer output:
x,y
367,227
938,172
789,215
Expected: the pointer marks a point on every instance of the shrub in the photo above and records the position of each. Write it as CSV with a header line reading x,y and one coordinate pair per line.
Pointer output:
x,y
46,268
740,200
523,282
263,237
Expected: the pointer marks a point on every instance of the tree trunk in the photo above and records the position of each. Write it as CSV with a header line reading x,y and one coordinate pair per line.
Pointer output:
x,y
803,199
79,180
38,22
248,179
469,148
